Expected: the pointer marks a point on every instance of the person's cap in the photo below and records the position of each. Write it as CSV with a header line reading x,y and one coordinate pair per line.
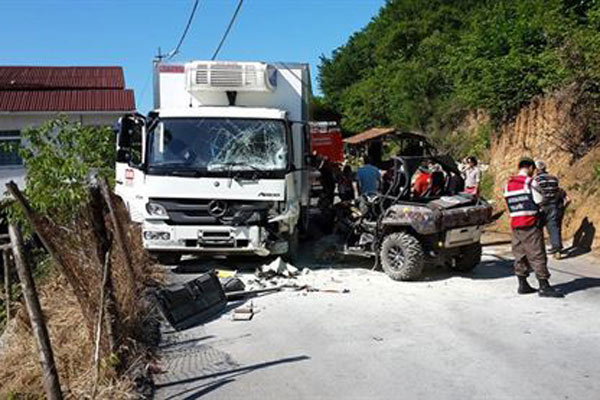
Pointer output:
x,y
539,164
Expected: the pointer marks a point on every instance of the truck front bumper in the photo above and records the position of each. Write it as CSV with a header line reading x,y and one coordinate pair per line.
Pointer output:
x,y
213,239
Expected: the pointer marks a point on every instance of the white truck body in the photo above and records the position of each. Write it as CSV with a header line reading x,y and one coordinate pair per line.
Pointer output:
x,y
222,160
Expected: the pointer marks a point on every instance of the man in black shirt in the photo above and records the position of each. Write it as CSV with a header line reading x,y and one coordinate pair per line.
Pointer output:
x,y
552,207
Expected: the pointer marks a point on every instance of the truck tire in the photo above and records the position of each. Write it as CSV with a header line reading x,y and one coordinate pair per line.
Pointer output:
x,y
468,259
293,243
402,257
167,258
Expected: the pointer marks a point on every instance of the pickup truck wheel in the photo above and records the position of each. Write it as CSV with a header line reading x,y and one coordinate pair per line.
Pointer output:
x,y
167,258
468,259
402,257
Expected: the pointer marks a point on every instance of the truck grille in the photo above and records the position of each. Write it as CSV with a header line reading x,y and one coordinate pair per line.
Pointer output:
x,y
202,211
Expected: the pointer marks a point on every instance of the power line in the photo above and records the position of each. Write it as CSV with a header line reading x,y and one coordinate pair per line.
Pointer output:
x,y
233,17
185,31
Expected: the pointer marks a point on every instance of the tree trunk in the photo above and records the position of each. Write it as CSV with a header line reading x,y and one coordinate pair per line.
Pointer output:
x,y
38,325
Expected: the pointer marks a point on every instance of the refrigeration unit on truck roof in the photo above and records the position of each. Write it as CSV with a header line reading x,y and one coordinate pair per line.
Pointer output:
x,y
203,76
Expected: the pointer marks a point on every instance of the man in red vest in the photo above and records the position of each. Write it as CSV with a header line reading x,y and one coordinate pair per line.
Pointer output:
x,y
523,197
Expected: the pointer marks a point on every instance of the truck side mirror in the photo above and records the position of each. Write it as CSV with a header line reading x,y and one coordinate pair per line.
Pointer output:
x,y
123,156
130,138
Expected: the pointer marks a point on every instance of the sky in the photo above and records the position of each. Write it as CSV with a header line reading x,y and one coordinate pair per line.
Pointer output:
x,y
129,32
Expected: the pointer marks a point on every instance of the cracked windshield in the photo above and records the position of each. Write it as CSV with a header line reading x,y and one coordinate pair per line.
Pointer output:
x,y
219,144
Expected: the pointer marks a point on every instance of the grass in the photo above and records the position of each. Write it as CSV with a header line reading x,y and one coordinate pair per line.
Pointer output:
x,y
487,185
42,271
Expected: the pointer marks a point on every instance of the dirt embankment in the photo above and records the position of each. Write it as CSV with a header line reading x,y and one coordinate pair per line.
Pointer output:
x,y
557,128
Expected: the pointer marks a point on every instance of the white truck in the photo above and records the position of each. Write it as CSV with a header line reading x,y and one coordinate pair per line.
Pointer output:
x,y
220,165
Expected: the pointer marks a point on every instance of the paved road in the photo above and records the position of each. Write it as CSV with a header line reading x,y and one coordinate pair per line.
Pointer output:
x,y
447,337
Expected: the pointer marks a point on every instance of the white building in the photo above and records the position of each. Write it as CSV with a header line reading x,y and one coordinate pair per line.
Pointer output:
x,y
29,96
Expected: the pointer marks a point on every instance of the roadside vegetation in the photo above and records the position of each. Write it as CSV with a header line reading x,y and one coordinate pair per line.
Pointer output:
x,y
424,65
60,155
64,162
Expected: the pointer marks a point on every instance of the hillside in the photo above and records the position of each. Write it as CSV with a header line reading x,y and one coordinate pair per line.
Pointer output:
x,y
497,79
422,65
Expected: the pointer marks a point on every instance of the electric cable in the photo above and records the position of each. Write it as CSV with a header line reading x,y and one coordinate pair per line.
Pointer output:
x,y
233,17
185,31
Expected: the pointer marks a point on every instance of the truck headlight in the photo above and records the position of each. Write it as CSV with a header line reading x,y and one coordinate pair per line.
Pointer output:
x,y
152,235
156,209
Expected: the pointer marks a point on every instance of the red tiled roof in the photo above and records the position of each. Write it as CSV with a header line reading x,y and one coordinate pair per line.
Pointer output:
x,y
67,100
52,78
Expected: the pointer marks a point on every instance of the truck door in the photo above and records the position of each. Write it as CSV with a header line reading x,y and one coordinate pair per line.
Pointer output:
x,y
130,160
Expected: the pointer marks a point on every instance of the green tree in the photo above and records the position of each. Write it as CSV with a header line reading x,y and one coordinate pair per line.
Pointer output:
x,y
422,65
60,158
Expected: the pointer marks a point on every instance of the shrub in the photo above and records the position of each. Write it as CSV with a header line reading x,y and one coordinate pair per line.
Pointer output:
x,y
60,156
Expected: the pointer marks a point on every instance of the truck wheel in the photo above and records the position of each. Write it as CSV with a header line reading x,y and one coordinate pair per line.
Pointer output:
x,y
293,243
402,257
167,258
468,259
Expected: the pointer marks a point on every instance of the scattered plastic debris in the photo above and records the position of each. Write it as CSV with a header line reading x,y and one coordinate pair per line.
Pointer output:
x,y
276,268
232,284
226,273
244,313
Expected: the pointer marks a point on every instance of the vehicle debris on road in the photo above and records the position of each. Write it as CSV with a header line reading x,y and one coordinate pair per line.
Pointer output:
x,y
244,313
277,267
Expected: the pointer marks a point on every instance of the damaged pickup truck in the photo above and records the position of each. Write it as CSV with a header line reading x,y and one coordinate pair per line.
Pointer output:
x,y
405,231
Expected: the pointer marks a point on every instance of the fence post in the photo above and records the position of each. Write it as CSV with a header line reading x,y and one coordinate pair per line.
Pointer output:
x,y
49,373
119,233
6,283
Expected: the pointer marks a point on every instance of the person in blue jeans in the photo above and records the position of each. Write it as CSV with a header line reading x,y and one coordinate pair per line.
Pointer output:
x,y
552,207
368,177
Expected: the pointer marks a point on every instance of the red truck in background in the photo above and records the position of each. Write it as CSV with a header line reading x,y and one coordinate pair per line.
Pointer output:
x,y
326,141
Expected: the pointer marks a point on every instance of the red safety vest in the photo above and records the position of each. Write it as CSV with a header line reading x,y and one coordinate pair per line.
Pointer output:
x,y
519,199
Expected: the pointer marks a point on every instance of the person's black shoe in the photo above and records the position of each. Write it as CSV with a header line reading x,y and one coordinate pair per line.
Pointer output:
x,y
524,287
548,291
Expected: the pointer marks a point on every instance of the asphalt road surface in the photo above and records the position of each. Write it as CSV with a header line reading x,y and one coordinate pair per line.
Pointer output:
x,y
446,337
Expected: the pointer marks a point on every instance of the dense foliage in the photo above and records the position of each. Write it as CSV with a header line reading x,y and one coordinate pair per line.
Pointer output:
x,y
60,157
422,64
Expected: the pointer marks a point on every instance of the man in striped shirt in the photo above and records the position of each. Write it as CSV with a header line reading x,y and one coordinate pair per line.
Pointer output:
x,y
552,207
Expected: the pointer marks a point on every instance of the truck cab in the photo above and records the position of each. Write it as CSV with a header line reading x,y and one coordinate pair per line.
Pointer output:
x,y
219,167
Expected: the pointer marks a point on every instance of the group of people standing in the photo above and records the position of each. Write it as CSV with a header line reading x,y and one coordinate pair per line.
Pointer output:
x,y
368,181
535,199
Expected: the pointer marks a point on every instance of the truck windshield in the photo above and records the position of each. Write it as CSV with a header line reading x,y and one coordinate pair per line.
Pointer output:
x,y
218,144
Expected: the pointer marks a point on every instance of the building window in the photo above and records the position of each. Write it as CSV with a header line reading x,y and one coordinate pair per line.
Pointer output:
x,y
11,157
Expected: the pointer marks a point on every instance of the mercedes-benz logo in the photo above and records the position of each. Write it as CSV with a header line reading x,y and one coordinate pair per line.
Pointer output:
x,y
217,208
